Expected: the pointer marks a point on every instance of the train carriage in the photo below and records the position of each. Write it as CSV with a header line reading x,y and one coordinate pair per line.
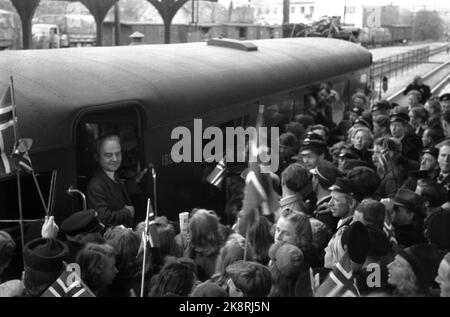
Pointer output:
x,y
65,98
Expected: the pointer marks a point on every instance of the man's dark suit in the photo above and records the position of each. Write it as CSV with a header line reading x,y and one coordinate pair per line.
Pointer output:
x,y
109,198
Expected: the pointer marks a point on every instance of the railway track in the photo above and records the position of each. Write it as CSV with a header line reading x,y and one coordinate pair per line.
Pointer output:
x,y
436,79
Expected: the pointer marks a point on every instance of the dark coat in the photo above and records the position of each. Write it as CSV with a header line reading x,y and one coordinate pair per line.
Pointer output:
x,y
411,147
408,235
396,175
109,198
423,89
445,183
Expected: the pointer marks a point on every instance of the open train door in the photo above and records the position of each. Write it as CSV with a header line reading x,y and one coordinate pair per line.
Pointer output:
x,y
125,121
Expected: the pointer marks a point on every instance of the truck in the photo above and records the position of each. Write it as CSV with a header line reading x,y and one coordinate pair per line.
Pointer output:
x,y
45,36
75,29
10,34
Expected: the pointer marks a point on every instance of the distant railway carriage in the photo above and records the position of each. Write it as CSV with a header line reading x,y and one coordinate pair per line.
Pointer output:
x,y
9,30
400,33
67,97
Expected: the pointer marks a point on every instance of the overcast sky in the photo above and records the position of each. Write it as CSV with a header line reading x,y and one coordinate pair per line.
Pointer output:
x,y
409,3
403,3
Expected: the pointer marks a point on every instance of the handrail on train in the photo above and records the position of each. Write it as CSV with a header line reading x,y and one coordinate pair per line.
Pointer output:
x,y
71,190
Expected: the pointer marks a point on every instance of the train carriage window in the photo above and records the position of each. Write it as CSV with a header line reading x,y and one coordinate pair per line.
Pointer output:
x,y
242,33
286,104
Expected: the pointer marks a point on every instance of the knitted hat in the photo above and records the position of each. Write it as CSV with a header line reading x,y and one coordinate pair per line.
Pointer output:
x,y
287,258
424,260
45,255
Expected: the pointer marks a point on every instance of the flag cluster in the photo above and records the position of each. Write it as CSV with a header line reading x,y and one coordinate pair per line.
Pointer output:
x,y
258,191
18,157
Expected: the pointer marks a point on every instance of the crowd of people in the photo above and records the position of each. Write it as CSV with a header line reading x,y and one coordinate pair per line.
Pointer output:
x,y
370,195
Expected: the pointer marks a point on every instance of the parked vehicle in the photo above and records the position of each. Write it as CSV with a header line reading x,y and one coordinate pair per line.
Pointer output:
x,y
45,36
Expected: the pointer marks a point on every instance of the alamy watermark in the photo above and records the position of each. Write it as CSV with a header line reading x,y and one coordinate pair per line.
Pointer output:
x,y
236,152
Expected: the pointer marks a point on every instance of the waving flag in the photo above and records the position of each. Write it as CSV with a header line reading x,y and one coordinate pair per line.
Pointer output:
x,y
6,110
6,121
258,189
389,229
340,281
217,175
151,236
68,285
383,162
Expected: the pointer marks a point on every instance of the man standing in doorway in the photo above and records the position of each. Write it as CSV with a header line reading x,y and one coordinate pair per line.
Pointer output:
x,y
106,193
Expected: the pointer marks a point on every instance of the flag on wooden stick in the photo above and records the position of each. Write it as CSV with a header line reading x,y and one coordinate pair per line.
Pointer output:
x,y
6,121
258,185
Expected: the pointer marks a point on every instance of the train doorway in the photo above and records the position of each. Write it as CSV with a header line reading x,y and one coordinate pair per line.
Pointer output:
x,y
128,124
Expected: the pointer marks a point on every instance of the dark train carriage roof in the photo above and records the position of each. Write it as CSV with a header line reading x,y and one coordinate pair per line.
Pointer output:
x,y
172,81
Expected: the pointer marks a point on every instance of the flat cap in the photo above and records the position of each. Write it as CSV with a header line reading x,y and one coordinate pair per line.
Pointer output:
x,y
314,142
407,198
363,121
85,221
344,185
445,97
326,172
357,110
400,117
432,151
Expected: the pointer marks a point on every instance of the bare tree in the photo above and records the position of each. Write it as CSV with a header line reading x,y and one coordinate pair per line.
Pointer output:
x,y
427,25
